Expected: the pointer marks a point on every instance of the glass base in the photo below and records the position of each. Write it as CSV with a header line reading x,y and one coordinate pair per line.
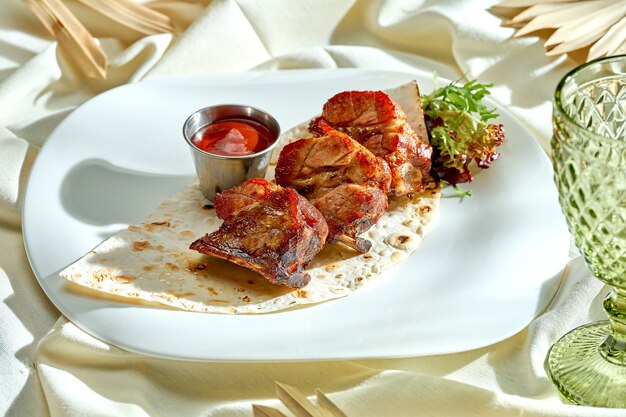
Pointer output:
x,y
583,373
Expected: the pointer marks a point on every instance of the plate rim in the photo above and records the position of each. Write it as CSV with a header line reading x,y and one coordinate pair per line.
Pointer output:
x,y
49,293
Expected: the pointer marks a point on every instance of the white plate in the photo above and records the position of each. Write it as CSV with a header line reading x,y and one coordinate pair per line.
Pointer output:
x,y
491,263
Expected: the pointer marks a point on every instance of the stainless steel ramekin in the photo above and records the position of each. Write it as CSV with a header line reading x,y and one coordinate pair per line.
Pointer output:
x,y
217,173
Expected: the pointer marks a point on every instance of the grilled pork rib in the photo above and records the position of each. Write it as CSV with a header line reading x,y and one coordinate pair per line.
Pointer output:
x,y
268,229
350,210
375,121
345,181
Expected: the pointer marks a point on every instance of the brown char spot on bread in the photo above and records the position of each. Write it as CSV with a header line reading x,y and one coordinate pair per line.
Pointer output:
x,y
101,275
399,241
140,245
124,279
150,267
165,297
197,268
425,210
187,234
181,295
171,266
150,227
163,223
402,239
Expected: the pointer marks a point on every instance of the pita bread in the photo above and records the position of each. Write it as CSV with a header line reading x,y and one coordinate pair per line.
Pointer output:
x,y
151,261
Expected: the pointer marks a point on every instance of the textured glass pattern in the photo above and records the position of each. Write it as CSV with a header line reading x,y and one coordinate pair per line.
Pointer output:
x,y
599,106
581,374
588,365
590,172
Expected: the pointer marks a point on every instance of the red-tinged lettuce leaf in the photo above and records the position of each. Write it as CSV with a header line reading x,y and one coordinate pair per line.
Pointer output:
x,y
457,136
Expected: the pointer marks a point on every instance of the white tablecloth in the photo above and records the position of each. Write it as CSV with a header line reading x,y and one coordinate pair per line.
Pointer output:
x,y
49,366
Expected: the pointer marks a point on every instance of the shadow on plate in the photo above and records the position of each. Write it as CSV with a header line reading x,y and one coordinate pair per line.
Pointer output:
x,y
99,193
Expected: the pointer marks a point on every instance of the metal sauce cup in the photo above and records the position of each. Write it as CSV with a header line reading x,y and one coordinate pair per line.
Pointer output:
x,y
217,173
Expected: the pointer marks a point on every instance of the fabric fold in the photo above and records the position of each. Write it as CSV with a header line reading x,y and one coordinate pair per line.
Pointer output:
x,y
222,39
79,375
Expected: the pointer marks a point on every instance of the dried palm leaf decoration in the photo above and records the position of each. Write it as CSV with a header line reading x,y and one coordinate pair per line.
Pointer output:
x,y
599,25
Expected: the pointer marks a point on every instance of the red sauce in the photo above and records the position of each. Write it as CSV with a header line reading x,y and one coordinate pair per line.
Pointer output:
x,y
233,137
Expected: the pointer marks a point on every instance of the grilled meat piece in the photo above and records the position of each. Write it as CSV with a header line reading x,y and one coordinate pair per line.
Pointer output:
x,y
345,181
375,121
314,166
268,229
231,203
350,210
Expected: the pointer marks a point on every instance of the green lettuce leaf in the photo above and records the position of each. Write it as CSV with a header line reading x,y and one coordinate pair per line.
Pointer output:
x,y
456,118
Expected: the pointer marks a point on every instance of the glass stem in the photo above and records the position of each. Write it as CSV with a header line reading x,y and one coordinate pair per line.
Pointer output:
x,y
614,347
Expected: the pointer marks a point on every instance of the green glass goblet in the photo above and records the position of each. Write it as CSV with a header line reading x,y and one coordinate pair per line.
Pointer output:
x,y
588,365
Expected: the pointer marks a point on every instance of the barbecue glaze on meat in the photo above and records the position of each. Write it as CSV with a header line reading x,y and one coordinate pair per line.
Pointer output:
x,y
268,229
344,180
375,121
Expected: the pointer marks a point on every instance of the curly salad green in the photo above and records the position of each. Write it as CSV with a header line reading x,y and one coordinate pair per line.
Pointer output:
x,y
456,118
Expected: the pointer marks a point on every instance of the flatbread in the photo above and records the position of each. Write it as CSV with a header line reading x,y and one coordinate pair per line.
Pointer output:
x,y
152,262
